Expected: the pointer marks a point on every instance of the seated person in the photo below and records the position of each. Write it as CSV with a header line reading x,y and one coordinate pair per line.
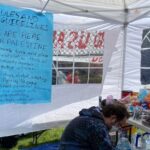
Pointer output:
x,y
90,130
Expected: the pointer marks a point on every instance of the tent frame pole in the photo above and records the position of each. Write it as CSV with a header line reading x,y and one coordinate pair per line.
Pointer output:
x,y
124,54
124,46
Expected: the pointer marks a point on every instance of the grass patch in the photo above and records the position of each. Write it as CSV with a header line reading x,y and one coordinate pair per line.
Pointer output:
x,y
26,141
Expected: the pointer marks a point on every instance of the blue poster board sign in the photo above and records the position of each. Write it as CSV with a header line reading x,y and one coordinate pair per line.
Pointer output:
x,y
26,45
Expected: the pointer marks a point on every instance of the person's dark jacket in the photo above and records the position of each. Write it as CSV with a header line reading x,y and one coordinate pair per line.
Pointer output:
x,y
88,131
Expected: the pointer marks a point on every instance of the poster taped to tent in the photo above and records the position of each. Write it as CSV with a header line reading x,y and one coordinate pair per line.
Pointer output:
x,y
25,56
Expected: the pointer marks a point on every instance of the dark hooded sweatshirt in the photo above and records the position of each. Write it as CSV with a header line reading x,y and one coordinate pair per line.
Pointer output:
x,y
88,131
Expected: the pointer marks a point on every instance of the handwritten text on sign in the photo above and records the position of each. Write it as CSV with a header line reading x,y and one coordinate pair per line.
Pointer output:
x,y
25,56
69,42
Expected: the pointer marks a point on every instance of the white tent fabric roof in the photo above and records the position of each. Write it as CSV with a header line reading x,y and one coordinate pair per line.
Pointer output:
x,y
118,10
87,4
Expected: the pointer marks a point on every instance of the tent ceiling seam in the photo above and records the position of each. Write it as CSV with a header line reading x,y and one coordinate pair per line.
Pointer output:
x,y
45,6
139,8
69,6
139,17
87,11
107,10
79,11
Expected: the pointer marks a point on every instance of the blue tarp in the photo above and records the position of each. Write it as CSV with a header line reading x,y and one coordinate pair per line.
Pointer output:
x,y
48,146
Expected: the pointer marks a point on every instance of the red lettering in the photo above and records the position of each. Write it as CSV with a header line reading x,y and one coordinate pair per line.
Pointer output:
x,y
98,59
99,40
83,40
60,40
94,59
74,36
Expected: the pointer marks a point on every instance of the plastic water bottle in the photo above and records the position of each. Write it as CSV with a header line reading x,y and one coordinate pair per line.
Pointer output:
x,y
147,142
123,144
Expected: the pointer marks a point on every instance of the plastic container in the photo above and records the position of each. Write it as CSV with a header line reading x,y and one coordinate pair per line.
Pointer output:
x,y
123,144
146,143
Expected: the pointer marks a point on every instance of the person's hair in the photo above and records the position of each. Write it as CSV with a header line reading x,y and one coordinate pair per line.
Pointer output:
x,y
103,103
117,109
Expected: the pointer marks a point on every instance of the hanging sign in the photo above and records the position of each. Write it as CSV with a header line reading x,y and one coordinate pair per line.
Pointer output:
x,y
77,42
25,55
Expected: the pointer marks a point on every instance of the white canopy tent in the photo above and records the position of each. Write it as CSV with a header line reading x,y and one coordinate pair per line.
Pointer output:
x,y
124,22
116,10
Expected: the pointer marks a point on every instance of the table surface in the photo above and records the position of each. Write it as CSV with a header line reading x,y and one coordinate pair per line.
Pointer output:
x,y
138,124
